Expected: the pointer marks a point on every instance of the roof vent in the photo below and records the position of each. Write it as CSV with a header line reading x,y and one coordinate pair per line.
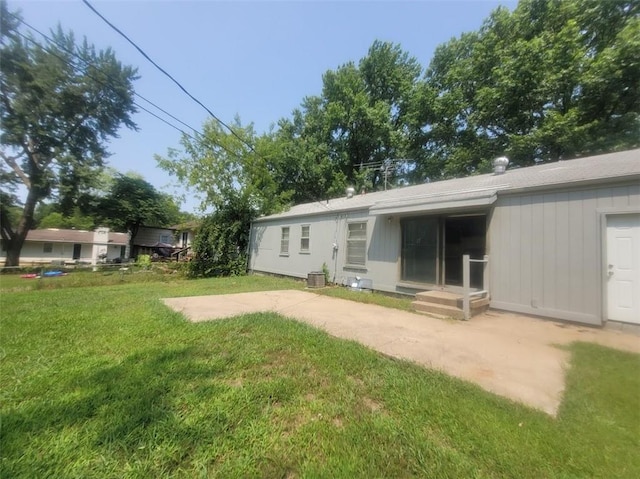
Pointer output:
x,y
350,191
500,165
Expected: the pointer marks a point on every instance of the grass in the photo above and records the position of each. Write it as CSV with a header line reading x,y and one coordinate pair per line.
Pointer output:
x,y
107,382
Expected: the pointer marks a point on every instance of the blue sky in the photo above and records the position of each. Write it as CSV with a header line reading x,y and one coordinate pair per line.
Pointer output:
x,y
257,60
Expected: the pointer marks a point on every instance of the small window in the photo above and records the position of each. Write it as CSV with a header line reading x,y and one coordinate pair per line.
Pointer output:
x,y
284,241
165,239
304,238
47,248
356,244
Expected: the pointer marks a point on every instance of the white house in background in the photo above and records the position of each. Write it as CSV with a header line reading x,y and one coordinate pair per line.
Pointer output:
x,y
72,246
562,239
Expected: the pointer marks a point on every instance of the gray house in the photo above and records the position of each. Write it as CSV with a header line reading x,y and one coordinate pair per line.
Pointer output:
x,y
561,240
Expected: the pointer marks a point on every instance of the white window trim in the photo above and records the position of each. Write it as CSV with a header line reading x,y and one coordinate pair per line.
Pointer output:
x,y
283,251
308,238
357,266
44,247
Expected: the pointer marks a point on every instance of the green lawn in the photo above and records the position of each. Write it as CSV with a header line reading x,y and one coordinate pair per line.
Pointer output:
x,y
107,382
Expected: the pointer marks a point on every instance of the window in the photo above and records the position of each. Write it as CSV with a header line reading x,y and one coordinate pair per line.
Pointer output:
x,y
165,239
284,241
356,244
304,238
47,248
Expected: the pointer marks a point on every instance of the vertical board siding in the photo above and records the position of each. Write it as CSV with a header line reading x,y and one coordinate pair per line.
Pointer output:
x,y
576,250
562,275
548,259
546,251
513,248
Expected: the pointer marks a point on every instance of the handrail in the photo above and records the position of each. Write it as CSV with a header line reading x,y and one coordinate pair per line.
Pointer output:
x,y
466,282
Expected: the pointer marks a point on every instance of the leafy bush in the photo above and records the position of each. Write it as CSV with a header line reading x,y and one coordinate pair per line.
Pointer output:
x,y
144,261
221,241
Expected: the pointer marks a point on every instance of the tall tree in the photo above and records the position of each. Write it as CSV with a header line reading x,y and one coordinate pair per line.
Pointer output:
x,y
222,239
220,165
132,203
552,79
59,105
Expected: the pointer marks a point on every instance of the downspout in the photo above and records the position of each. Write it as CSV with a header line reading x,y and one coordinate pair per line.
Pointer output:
x,y
249,247
336,249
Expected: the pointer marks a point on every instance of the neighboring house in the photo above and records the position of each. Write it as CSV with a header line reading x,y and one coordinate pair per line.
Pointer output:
x,y
149,238
562,239
72,246
185,233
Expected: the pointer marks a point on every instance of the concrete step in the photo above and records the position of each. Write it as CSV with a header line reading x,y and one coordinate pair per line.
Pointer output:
x,y
450,299
439,297
440,309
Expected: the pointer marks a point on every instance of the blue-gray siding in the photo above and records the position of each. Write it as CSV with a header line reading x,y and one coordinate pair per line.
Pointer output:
x,y
546,254
545,249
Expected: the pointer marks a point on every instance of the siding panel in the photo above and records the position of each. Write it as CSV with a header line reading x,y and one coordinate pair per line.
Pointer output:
x,y
556,268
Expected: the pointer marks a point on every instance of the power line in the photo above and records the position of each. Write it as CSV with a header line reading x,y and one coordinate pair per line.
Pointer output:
x,y
86,64
144,54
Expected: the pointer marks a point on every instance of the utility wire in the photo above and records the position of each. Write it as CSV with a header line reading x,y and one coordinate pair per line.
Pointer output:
x,y
143,53
86,64
51,41
202,138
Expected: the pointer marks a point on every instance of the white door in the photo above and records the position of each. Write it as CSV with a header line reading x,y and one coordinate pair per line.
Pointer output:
x,y
623,268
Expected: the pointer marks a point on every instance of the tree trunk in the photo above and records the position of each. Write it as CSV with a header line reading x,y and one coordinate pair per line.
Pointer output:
x,y
14,247
17,237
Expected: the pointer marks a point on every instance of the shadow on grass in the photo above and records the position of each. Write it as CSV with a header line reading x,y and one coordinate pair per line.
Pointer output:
x,y
121,407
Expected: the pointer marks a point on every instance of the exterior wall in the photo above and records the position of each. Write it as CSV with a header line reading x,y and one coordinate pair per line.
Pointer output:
x,y
149,236
545,251
33,252
383,240
180,240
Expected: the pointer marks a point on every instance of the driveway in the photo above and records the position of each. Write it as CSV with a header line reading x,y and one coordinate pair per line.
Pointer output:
x,y
510,355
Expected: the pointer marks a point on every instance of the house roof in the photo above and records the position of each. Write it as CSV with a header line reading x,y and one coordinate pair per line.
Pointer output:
x,y
187,226
55,235
480,189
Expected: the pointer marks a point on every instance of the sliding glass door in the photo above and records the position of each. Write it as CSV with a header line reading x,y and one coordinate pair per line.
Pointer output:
x,y
420,250
433,246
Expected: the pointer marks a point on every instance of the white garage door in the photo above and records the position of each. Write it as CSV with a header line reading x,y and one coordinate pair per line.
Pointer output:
x,y
623,268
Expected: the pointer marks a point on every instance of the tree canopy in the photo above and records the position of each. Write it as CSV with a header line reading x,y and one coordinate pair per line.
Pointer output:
x,y
132,202
549,80
59,105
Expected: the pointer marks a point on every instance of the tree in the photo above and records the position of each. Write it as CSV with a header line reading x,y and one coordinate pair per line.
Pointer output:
x,y
220,165
221,242
361,118
132,203
77,220
58,107
550,80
